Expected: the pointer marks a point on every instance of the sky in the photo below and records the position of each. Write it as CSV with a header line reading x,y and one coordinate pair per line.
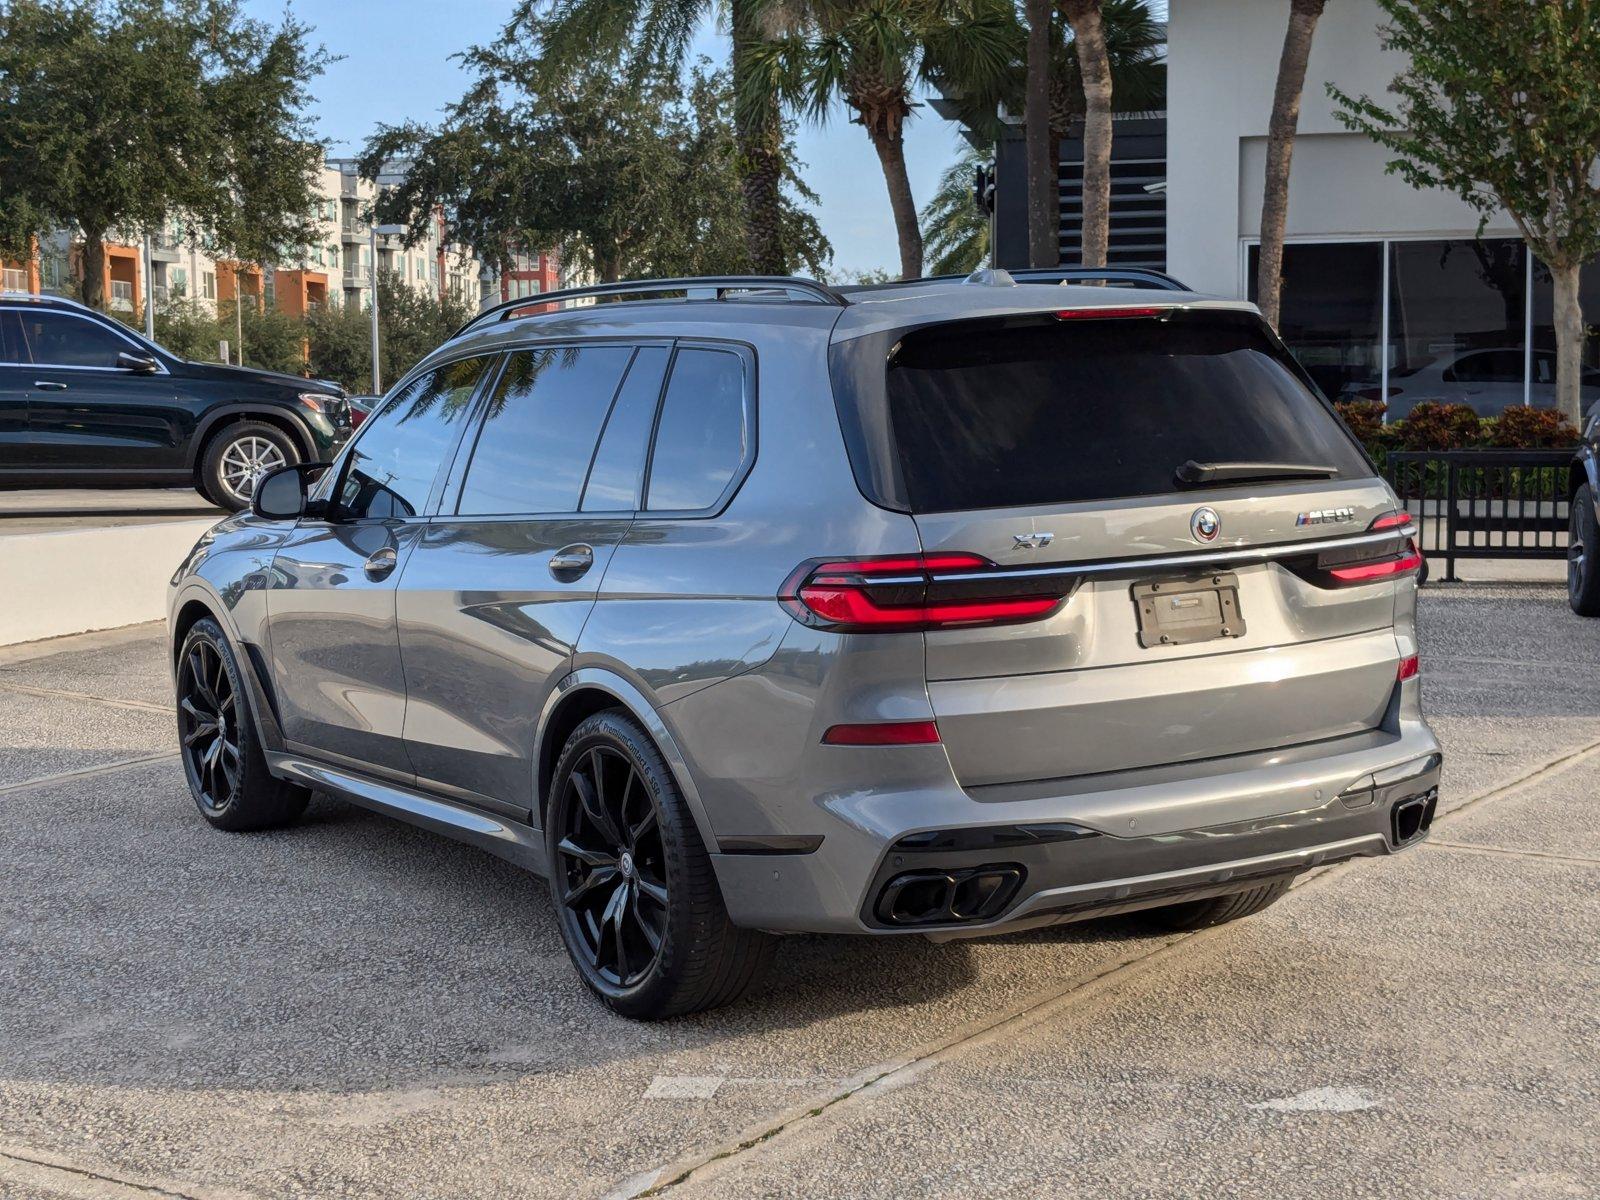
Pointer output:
x,y
396,67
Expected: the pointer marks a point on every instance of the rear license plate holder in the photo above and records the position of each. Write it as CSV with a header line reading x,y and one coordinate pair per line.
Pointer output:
x,y
1178,612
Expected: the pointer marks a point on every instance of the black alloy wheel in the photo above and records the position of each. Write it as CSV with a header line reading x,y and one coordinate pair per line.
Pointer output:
x,y
209,726
611,875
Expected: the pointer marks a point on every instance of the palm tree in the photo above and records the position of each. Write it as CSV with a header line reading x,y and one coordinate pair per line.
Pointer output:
x,y
1044,235
1094,64
659,32
1303,17
871,55
955,231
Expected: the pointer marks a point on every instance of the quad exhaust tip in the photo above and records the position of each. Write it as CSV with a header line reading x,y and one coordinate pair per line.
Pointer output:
x,y
1411,818
949,897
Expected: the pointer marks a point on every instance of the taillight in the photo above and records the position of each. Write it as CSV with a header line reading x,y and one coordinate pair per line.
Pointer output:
x,y
1409,667
1349,566
914,591
1108,314
882,733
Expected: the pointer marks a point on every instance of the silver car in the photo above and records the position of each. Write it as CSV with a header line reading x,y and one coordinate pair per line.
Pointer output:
x,y
738,607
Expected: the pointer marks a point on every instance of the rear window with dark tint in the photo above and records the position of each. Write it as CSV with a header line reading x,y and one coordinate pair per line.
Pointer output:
x,y
1058,412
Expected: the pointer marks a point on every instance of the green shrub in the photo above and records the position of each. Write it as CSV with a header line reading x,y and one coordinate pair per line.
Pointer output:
x,y
1434,426
1531,429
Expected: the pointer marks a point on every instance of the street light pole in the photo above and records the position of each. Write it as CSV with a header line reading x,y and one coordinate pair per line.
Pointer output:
x,y
149,290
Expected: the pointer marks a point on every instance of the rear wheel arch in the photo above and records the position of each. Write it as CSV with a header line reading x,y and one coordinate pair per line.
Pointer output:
x,y
589,690
218,420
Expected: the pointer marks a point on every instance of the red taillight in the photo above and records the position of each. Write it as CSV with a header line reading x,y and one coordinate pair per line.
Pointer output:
x,y
1394,520
911,592
1107,314
1406,562
357,415
1408,668
883,733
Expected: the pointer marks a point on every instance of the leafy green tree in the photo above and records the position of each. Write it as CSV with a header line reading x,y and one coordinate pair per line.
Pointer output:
x,y
339,345
115,114
411,323
629,177
1500,104
566,36
954,229
871,55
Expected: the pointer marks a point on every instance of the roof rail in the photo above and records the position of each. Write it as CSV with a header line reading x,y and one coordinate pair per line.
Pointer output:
x,y
694,287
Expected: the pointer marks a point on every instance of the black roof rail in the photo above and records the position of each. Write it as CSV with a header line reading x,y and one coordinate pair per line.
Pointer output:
x,y
694,287
1143,275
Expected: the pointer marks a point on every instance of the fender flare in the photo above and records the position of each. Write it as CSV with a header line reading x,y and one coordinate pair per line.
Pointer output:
x,y
271,413
642,710
262,713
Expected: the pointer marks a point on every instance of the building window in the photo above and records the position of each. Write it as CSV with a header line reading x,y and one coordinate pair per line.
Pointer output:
x,y
333,256
177,280
208,284
1331,312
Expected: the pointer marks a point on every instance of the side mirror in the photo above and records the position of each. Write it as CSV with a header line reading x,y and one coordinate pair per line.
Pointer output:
x,y
281,495
139,364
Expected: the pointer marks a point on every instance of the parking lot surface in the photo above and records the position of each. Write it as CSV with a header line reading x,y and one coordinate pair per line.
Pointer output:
x,y
355,1008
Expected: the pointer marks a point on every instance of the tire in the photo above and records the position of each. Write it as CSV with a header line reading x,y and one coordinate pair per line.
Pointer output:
x,y
1218,910
233,453
1583,544
635,895
222,759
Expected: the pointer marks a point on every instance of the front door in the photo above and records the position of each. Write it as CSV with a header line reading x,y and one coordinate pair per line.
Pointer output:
x,y
331,599
86,413
494,597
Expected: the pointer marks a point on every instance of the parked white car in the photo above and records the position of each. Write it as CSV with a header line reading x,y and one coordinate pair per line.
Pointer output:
x,y
1489,380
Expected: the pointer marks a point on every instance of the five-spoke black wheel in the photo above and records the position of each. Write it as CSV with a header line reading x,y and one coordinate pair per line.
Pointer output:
x,y
208,725
636,896
611,868
222,760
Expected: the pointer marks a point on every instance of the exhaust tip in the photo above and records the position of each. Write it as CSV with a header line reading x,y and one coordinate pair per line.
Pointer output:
x,y
949,897
1412,817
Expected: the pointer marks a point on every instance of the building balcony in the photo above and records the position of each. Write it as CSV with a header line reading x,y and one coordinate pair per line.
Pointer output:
x,y
15,280
357,277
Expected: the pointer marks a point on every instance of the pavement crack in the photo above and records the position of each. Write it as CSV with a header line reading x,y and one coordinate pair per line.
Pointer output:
x,y
110,768
47,1166
27,689
1511,852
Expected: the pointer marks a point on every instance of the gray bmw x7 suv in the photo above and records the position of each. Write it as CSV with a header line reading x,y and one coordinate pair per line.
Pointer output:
x,y
741,606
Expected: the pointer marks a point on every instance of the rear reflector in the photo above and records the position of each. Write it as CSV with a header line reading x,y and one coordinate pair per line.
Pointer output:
x,y
1409,667
1108,314
914,591
883,733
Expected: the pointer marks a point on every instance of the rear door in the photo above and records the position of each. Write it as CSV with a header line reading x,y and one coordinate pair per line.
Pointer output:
x,y
493,599
87,413
15,449
331,596
1056,443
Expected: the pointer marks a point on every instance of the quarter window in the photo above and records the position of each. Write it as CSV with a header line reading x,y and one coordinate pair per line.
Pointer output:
x,y
540,430
58,340
701,436
391,467
619,462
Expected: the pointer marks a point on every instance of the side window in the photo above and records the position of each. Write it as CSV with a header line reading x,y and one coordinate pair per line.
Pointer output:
x,y
391,467
11,347
60,340
618,469
701,436
540,429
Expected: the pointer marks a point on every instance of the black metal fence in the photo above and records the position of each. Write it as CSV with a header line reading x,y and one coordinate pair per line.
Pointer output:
x,y
1485,503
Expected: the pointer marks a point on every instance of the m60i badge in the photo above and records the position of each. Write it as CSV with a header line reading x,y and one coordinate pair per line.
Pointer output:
x,y
1326,516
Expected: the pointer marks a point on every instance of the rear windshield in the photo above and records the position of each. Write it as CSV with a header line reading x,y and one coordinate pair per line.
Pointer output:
x,y
986,415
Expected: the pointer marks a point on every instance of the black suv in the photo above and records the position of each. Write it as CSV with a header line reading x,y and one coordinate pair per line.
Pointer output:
x,y
85,402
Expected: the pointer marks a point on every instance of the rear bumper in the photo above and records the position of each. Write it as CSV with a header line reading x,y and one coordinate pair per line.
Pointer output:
x,y
1086,847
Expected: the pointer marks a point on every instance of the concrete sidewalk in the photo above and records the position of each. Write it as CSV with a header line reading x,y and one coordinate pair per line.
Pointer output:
x,y
353,1007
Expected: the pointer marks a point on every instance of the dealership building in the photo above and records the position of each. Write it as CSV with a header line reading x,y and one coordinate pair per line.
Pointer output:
x,y
1388,290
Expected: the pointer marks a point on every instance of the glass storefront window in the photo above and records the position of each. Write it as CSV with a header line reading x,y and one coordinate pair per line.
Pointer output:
x,y
1456,313
1331,313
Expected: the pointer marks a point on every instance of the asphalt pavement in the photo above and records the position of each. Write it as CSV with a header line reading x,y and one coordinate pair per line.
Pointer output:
x,y
355,1008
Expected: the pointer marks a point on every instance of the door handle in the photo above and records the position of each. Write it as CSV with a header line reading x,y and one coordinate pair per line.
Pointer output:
x,y
49,385
379,563
571,562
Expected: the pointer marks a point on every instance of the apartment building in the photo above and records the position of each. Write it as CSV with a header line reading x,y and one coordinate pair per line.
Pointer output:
x,y
336,268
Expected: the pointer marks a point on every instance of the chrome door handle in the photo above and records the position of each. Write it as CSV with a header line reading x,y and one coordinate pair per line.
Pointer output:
x,y
570,562
49,385
380,562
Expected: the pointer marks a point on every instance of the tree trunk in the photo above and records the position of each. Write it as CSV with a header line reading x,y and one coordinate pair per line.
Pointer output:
x,y
1303,15
1044,217
1094,64
94,268
891,150
1569,342
760,142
